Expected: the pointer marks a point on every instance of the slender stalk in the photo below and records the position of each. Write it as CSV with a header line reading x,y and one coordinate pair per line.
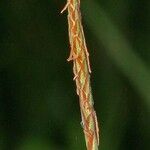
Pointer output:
x,y
81,68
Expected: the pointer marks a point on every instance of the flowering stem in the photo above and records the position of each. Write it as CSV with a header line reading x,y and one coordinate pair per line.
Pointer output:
x,y
81,68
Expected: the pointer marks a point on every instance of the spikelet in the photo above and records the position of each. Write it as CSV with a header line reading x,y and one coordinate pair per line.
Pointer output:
x,y
81,68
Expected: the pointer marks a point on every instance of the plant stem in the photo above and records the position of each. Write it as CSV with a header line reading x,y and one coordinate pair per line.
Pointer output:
x,y
81,68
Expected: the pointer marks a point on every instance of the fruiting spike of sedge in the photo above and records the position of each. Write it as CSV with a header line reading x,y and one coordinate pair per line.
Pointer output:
x,y
81,68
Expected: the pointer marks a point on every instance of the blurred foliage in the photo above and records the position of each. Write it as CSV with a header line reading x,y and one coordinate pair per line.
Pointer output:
x,y
39,108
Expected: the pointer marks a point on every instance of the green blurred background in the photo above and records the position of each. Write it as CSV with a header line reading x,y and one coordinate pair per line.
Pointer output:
x,y
39,107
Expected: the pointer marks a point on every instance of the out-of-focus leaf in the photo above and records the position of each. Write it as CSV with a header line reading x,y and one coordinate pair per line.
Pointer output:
x,y
118,48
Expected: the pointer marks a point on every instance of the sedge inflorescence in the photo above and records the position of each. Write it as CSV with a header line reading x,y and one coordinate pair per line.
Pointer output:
x,y
81,68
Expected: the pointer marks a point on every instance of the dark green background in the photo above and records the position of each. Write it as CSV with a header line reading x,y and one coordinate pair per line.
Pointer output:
x,y
39,108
